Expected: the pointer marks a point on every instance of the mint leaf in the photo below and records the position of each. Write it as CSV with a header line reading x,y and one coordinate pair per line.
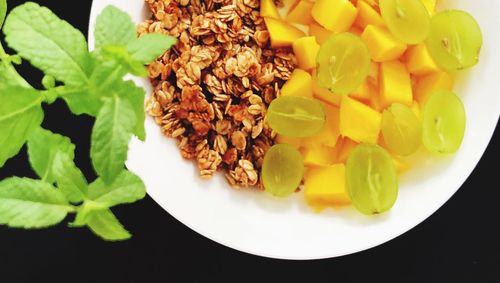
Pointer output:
x,y
82,101
105,225
135,95
70,180
51,156
20,114
49,43
127,188
150,46
9,76
105,77
27,203
3,11
113,27
43,146
110,137
121,55
103,83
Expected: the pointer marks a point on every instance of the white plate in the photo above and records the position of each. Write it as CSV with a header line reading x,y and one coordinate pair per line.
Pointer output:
x,y
259,224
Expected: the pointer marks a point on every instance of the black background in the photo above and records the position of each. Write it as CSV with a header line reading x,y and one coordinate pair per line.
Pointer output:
x,y
461,242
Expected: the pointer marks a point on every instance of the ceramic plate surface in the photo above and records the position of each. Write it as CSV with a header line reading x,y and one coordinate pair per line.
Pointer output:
x,y
259,224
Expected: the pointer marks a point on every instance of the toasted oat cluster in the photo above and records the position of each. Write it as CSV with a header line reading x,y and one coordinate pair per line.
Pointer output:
x,y
212,90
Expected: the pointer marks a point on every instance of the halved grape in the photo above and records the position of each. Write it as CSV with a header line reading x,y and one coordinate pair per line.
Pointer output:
x,y
455,40
343,63
402,130
282,170
295,116
443,122
408,20
371,178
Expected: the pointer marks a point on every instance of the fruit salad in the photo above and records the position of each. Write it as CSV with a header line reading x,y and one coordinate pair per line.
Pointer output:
x,y
374,84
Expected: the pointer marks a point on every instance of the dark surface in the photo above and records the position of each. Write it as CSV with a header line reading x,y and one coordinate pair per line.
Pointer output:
x,y
461,241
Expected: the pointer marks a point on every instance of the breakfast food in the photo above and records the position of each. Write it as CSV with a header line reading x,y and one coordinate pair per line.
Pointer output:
x,y
357,86
212,90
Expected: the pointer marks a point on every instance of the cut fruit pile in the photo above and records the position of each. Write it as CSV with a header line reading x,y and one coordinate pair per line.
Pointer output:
x,y
374,83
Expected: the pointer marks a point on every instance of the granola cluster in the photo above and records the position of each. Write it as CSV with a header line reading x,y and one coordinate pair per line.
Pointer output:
x,y
212,90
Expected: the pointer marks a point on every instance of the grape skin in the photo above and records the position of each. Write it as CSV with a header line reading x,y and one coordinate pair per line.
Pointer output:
x,y
282,170
371,179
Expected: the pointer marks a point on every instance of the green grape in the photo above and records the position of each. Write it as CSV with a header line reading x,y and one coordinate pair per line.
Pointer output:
x,y
371,179
343,63
455,40
443,122
408,20
402,130
282,170
295,116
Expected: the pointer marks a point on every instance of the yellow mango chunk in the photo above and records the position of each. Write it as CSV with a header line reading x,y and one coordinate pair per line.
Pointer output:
x,y
375,104
358,121
296,142
344,148
306,50
269,9
325,186
430,5
324,94
367,15
427,85
301,13
320,33
356,30
316,154
281,33
395,84
330,133
383,46
373,74
299,84
401,165
334,15
419,61
415,108
365,92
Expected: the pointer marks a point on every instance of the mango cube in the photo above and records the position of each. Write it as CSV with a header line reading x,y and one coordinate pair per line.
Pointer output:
x,y
315,154
383,46
395,84
373,74
299,84
334,15
330,133
364,92
401,165
415,108
324,94
344,148
306,50
269,9
358,121
281,33
419,61
296,142
367,15
320,33
355,30
427,85
430,5
325,186
301,13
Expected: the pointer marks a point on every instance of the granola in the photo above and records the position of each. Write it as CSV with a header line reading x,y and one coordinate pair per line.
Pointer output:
x,y
212,90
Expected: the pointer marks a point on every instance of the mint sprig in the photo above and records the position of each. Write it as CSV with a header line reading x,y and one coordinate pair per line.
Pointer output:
x,y
91,83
